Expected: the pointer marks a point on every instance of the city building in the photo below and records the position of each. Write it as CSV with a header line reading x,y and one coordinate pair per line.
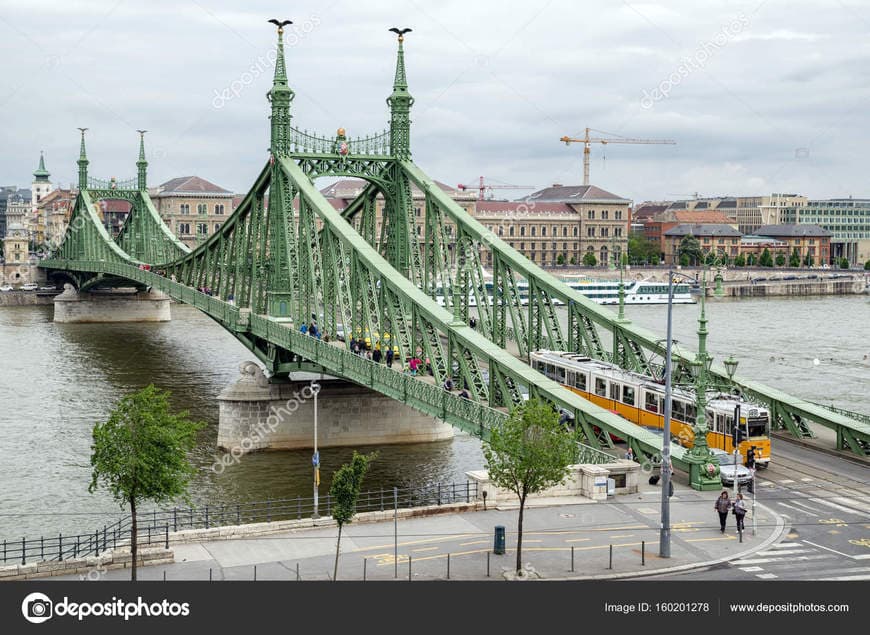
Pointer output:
x,y
813,244
755,211
603,224
716,238
56,208
848,220
192,207
676,215
113,212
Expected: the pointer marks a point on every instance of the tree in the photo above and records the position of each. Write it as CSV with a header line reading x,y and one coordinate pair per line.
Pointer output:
x,y
808,260
527,453
750,259
867,266
691,247
709,258
345,489
795,259
740,260
684,260
844,263
573,260
780,260
560,259
141,453
642,250
766,259
589,259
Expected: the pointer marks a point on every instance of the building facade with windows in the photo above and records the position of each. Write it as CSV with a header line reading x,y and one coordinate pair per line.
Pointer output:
x,y
713,238
813,244
192,207
847,219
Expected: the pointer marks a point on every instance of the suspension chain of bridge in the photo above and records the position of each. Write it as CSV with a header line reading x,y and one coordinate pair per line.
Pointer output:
x,y
286,254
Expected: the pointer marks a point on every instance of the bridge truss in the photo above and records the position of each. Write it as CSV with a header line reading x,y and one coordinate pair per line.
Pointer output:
x,y
286,255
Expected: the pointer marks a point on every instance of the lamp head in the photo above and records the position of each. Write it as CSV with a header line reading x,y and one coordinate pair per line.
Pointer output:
x,y
730,366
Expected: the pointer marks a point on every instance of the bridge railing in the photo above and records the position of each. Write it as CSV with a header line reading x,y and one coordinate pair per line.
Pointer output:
x,y
587,455
154,527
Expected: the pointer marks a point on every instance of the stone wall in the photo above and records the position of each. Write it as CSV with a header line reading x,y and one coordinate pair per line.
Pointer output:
x,y
120,558
73,307
257,415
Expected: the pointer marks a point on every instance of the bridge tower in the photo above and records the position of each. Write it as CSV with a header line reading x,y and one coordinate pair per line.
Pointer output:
x,y
83,164
142,164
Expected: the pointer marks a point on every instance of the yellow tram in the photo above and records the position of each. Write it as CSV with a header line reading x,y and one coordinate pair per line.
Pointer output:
x,y
640,399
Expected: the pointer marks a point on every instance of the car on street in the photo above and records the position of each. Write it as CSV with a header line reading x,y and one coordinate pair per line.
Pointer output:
x,y
6,287
728,470
30,286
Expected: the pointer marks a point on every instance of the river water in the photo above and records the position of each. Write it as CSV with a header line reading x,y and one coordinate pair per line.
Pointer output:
x,y
59,379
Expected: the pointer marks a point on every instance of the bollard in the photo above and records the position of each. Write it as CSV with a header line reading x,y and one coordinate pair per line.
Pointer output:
x,y
448,566
255,573
209,574
409,568
572,558
365,562
487,564
610,566
164,575
297,572
643,553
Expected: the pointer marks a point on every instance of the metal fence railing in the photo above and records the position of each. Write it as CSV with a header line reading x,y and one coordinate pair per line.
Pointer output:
x,y
154,527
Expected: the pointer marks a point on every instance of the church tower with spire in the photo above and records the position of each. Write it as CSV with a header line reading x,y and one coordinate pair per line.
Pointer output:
x,y
41,184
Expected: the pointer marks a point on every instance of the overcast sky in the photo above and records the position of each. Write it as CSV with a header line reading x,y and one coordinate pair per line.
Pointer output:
x,y
760,96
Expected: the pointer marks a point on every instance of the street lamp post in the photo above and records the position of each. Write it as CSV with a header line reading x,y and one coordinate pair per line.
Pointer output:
x,y
702,472
315,458
665,532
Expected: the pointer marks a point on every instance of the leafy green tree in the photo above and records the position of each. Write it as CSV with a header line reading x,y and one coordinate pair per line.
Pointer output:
x,y
750,260
573,260
691,247
780,260
589,259
684,260
844,263
740,260
809,260
642,250
867,266
560,259
345,489
766,259
795,259
527,453
710,258
141,453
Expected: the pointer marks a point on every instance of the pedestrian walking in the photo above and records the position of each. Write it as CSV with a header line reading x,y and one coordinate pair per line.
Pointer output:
x,y
448,384
389,357
722,505
472,323
630,454
376,354
739,511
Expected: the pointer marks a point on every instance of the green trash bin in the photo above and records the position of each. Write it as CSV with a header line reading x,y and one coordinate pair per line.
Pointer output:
x,y
498,544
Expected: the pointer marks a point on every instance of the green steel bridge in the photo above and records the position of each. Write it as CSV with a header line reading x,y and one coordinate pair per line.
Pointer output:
x,y
286,253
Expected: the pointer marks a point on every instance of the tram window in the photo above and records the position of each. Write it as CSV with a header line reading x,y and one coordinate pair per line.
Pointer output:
x,y
651,404
550,371
678,410
560,374
580,381
628,395
569,378
758,427
690,413
711,421
600,387
614,390
541,367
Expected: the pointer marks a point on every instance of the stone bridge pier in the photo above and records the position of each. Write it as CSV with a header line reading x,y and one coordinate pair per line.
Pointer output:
x,y
116,305
256,414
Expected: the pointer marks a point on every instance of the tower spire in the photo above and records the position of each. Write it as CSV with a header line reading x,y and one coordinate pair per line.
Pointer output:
x,y
400,102
83,164
280,97
41,174
142,164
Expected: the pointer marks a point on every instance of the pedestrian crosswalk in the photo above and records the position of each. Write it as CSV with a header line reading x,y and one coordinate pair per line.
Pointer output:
x,y
799,561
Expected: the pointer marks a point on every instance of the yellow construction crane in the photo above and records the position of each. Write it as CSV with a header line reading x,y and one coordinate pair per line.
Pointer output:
x,y
587,141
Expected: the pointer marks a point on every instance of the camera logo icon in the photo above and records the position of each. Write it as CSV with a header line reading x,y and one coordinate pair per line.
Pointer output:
x,y
37,608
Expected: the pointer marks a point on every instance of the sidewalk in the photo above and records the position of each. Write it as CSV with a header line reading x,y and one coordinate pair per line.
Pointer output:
x,y
554,530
